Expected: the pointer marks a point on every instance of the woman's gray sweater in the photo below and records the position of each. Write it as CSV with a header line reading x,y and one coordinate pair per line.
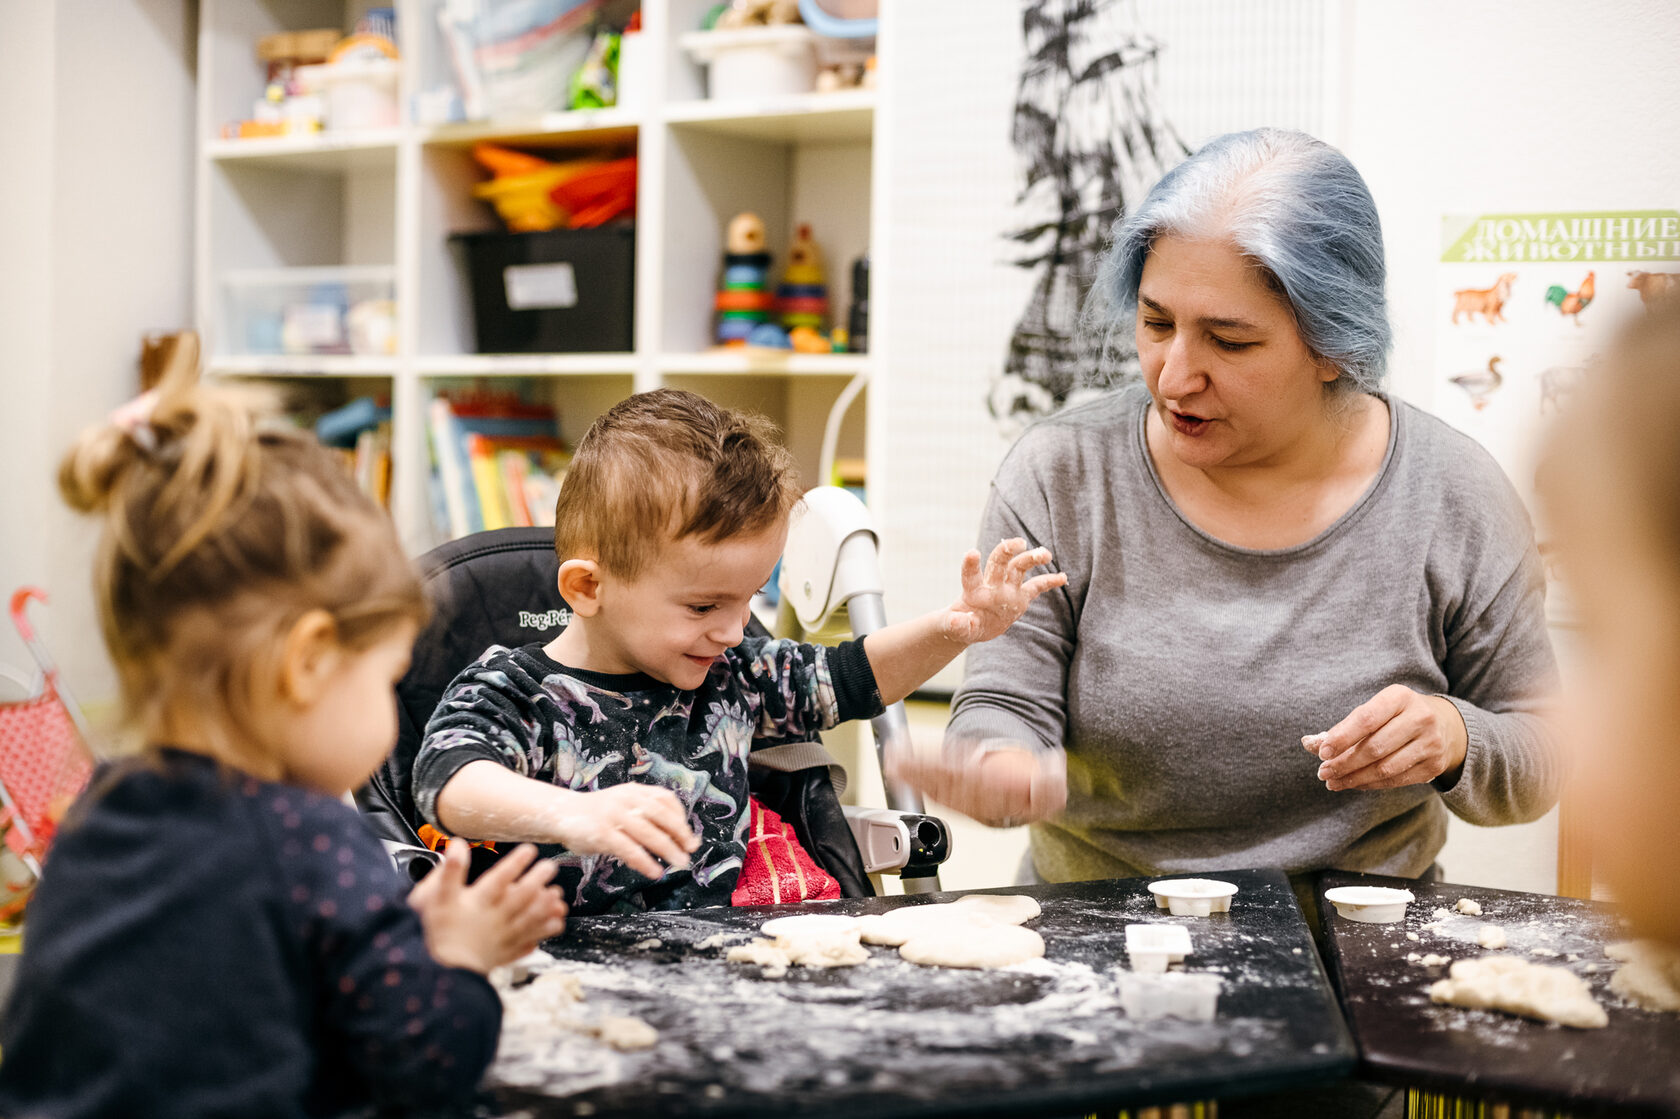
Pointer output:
x,y
1180,672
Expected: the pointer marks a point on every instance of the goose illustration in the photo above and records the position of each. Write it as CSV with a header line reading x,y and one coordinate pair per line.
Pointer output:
x,y
1482,384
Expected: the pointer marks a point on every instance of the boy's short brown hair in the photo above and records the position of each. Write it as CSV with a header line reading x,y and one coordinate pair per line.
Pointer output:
x,y
665,465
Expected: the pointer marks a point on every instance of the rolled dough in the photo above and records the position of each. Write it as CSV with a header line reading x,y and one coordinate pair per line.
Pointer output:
x,y
897,926
1515,986
808,924
1006,909
975,946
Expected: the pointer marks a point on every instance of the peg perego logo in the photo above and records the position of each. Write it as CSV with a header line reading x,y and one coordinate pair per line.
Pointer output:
x,y
548,619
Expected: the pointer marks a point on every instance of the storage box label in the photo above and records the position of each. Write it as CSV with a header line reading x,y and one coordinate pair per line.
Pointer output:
x,y
532,287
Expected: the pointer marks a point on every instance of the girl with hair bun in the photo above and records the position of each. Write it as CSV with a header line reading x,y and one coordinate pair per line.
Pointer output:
x,y
216,933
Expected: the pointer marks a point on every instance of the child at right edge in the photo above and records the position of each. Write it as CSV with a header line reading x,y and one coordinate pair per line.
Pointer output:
x,y
621,746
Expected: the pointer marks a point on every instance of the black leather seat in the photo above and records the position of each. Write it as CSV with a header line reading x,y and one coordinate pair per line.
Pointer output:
x,y
500,588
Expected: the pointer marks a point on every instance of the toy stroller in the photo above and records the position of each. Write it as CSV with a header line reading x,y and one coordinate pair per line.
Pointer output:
x,y
45,761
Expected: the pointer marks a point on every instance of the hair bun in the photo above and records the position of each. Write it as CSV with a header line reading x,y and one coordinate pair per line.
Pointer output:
x,y
95,466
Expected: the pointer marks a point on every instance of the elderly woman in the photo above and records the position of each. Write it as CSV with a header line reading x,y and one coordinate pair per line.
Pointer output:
x,y
1264,553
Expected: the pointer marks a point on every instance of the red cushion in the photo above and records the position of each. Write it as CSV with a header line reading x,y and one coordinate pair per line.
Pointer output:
x,y
777,870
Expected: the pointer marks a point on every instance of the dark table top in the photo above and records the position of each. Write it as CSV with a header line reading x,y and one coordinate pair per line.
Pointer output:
x,y
891,1038
1633,1064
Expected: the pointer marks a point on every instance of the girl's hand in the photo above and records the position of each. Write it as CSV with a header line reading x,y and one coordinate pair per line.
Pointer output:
x,y
636,824
1001,785
504,915
1397,737
991,603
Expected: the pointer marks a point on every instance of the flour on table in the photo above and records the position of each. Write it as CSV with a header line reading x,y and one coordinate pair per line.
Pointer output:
x,y
1515,986
1491,936
1469,908
1442,914
554,1001
973,945
1649,976
718,940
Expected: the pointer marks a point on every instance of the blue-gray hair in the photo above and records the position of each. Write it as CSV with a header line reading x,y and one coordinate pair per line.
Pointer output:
x,y
1298,208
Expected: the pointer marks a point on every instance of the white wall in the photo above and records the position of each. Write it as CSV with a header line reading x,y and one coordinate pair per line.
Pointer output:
x,y
1455,106
95,249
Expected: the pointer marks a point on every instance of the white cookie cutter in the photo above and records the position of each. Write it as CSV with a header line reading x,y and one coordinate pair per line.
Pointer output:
x,y
1374,905
1150,948
1193,996
1192,897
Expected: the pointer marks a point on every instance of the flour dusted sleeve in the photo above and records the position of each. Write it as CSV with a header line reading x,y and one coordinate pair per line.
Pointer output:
x,y
488,713
1496,653
803,689
1500,664
1015,685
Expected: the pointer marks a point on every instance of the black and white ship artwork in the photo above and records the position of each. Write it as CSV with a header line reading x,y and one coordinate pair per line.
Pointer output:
x,y
1091,139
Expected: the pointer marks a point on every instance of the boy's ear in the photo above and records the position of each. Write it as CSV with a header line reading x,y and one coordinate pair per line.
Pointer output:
x,y
580,586
308,657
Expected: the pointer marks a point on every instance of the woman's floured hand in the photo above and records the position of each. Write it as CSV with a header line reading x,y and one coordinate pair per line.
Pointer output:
x,y
993,599
1397,737
1002,785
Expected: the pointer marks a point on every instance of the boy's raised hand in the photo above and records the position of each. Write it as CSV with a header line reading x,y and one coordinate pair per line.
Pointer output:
x,y
504,915
992,600
632,823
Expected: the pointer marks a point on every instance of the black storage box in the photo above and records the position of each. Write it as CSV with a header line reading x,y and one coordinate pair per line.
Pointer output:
x,y
560,291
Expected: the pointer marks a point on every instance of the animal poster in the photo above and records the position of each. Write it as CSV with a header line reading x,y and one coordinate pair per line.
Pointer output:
x,y
1527,303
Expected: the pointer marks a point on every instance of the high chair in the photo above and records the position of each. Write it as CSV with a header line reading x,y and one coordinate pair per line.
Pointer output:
x,y
500,588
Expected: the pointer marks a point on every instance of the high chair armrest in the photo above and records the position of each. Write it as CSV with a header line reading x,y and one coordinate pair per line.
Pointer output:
x,y
910,844
413,863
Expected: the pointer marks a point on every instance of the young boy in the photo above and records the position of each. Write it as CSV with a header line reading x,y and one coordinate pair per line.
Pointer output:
x,y
623,742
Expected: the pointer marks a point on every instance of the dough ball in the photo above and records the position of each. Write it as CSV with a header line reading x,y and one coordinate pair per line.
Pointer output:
x,y
1491,936
623,1032
1650,976
765,953
973,946
1006,909
1515,986
808,940
1469,908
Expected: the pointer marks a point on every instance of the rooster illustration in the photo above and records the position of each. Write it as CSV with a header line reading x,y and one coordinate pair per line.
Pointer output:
x,y
1481,384
1571,303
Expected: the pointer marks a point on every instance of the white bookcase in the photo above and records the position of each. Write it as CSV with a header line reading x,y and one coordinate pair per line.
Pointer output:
x,y
389,198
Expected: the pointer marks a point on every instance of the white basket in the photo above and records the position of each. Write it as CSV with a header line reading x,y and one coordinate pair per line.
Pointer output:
x,y
755,61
